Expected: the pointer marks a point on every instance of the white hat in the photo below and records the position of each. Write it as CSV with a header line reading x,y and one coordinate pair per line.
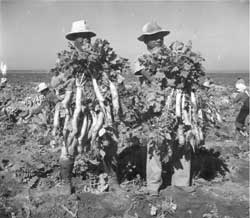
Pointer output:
x,y
206,84
241,87
79,29
42,86
152,28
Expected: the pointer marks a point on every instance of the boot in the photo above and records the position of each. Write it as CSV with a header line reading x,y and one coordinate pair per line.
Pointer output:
x,y
66,167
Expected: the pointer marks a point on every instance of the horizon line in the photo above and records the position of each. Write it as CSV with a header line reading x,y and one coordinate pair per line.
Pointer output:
x,y
207,71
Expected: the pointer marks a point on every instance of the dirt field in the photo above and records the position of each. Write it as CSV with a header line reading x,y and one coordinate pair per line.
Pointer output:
x,y
29,172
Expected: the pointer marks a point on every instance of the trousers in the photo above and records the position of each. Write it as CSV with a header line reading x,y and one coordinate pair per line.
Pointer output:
x,y
180,165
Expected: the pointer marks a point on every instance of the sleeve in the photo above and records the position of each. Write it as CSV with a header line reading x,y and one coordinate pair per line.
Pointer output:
x,y
238,98
38,109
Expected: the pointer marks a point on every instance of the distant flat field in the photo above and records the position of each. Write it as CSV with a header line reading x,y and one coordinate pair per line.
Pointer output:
x,y
221,78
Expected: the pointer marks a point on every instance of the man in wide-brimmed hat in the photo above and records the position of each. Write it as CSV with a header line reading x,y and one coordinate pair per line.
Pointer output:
x,y
242,97
80,36
153,37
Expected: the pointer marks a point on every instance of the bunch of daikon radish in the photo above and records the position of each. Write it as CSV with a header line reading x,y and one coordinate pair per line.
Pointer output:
x,y
177,65
97,70
179,69
190,126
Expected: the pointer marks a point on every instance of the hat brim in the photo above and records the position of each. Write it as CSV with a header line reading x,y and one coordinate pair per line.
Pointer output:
x,y
74,35
161,33
42,89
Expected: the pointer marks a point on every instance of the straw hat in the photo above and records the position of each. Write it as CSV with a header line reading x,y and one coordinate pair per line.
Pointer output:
x,y
41,87
79,29
152,28
206,84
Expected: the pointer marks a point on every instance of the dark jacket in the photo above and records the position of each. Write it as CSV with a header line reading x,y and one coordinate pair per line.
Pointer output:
x,y
242,97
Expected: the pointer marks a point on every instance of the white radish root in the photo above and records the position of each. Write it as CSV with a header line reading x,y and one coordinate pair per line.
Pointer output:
x,y
56,119
97,127
115,97
180,135
83,132
98,94
178,103
94,121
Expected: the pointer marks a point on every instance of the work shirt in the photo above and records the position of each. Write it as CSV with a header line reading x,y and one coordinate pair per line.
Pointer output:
x,y
49,101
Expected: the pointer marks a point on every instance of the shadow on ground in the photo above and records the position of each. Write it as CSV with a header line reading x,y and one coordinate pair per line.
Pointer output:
x,y
206,164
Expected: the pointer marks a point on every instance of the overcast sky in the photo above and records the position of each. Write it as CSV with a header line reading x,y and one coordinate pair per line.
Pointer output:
x,y
33,31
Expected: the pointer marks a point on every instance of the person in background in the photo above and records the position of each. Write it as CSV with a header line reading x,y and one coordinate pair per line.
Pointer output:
x,y
3,82
49,100
243,98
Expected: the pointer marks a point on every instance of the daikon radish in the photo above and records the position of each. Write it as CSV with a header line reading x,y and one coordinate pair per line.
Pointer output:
x,y
108,116
185,118
94,121
192,142
178,103
90,122
115,97
77,110
76,114
218,117
97,127
193,99
56,119
83,130
196,134
72,147
66,123
98,94
190,114
180,135
66,129
200,114
201,134
169,99
183,101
